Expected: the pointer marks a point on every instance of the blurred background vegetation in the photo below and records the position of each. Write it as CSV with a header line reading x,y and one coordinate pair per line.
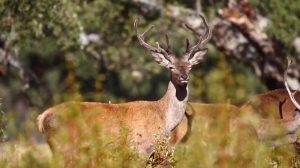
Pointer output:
x,y
58,50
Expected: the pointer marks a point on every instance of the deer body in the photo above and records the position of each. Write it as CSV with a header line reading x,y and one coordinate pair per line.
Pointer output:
x,y
165,114
276,104
276,132
142,119
280,132
230,132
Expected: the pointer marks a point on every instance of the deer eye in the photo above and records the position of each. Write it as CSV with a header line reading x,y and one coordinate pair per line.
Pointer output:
x,y
172,69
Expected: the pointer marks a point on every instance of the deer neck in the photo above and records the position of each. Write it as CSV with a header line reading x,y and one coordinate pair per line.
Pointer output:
x,y
175,101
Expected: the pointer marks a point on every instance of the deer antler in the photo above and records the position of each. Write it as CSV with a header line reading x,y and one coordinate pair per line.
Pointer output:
x,y
292,95
141,37
169,50
203,39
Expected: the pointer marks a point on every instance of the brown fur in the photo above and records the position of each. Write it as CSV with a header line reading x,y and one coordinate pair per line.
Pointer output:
x,y
196,111
234,117
108,116
142,119
275,104
225,119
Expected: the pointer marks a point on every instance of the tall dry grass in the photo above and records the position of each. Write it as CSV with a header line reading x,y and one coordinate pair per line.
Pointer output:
x,y
208,146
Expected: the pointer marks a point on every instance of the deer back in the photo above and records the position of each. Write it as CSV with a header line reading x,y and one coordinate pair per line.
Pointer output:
x,y
275,103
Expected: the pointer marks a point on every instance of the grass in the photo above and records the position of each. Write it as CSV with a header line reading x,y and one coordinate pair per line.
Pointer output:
x,y
3,119
208,146
163,155
22,154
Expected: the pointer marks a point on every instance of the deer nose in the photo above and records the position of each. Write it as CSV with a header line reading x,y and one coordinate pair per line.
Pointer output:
x,y
184,76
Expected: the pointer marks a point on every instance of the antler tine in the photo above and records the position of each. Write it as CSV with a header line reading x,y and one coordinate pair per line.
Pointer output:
x,y
208,32
187,46
141,38
193,30
169,50
203,39
292,95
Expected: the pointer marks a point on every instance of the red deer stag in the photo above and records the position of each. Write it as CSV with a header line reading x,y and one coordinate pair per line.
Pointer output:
x,y
142,119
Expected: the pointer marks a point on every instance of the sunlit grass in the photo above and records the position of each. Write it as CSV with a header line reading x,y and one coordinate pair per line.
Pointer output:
x,y
208,146
163,155
24,154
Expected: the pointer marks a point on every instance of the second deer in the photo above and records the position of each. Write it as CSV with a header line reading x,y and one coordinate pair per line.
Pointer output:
x,y
276,130
279,103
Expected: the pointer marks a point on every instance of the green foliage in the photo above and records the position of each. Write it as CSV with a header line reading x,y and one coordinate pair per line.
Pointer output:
x,y
210,145
47,36
284,16
218,80
28,21
124,71
162,155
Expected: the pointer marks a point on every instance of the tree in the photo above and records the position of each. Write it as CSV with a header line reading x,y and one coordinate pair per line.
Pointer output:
x,y
87,50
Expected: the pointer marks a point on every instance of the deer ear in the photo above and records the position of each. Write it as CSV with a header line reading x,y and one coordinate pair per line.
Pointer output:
x,y
198,56
161,59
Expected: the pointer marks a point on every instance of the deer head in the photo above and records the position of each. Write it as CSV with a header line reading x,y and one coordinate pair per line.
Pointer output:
x,y
179,67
